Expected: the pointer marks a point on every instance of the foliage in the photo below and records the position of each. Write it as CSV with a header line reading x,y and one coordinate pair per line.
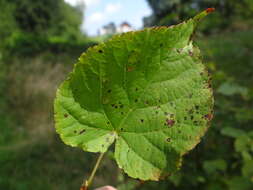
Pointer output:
x,y
29,27
167,12
146,90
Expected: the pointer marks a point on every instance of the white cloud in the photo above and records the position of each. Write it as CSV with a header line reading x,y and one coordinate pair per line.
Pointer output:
x,y
96,17
112,8
86,2
91,2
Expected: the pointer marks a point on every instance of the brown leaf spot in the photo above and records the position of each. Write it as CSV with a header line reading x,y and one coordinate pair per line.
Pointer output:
x,y
210,10
170,122
209,116
129,69
66,115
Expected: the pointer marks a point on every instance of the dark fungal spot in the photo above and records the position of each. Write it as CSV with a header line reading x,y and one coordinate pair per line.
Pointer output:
x,y
185,118
168,139
112,105
190,111
100,51
156,112
136,100
192,117
179,131
179,50
108,123
142,120
66,115
82,131
121,106
146,102
195,122
161,44
121,129
75,131
170,122
116,107
201,73
136,89
122,113
165,113
109,91
197,107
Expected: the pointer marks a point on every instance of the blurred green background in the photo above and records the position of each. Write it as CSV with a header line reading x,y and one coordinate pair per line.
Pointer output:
x,y
39,43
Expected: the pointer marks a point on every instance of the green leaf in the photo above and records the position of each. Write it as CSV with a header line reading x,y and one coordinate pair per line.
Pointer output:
x,y
211,166
232,132
230,89
147,91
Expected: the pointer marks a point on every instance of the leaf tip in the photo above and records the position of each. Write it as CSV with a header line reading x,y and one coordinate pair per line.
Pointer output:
x,y
210,10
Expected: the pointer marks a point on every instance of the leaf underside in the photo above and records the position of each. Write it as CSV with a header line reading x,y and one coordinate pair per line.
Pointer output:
x,y
147,91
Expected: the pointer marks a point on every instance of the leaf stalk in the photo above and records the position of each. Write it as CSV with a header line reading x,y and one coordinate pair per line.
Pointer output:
x,y
87,183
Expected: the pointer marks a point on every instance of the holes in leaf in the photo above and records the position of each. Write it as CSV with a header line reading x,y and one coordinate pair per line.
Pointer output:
x,y
82,131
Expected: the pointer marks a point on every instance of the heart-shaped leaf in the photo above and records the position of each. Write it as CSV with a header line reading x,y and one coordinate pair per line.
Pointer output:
x,y
147,91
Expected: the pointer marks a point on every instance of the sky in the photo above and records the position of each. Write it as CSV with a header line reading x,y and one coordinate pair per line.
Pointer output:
x,y
98,13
